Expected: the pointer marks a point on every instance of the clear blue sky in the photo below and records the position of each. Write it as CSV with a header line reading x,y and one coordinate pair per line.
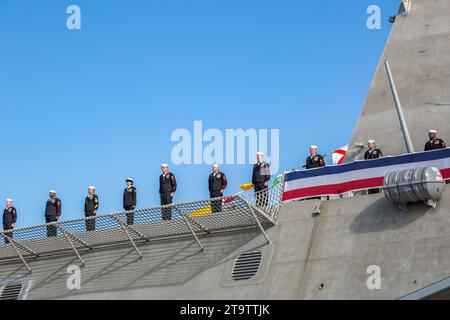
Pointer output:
x,y
96,105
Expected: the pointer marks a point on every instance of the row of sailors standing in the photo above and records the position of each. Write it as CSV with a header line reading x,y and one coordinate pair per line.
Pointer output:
x,y
315,160
217,183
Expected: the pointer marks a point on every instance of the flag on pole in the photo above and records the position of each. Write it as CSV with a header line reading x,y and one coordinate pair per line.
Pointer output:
x,y
246,186
204,211
277,180
339,155
230,199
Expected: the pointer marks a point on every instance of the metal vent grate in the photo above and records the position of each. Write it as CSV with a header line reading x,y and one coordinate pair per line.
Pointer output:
x,y
247,266
11,291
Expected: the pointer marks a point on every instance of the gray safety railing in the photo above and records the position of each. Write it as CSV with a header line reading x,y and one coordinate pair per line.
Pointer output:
x,y
191,219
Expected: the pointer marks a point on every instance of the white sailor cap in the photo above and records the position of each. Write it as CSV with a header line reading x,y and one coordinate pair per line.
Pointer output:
x,y
164,165
259,153
9,200
313,147
433,131
91,187
52,191
129,179
371,141
215,165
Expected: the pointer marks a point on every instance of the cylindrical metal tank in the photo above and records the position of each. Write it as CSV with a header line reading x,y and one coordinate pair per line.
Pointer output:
x,y
413,185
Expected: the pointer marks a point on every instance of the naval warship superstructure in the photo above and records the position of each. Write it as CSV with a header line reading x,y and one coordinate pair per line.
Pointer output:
x,y
356,245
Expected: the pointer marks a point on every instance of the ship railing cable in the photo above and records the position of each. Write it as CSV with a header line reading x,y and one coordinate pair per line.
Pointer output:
x,y
269,200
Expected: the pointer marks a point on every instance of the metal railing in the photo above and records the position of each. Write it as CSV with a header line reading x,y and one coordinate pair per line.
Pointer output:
x,y
191,219
269,201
